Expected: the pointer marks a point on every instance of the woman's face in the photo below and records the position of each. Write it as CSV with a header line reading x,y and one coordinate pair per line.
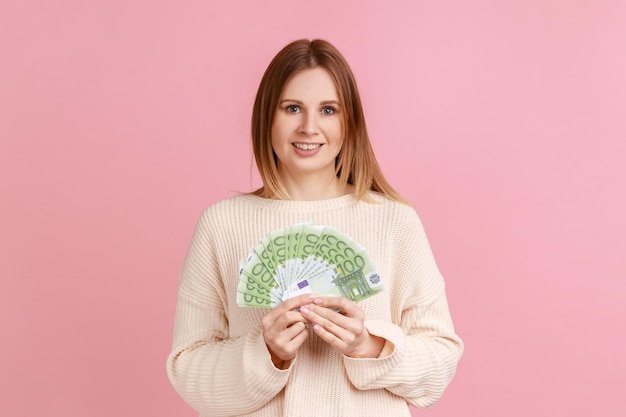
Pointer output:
x,y
307,131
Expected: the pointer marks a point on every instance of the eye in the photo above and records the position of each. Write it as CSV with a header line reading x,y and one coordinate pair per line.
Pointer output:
x,y
292,109
327,111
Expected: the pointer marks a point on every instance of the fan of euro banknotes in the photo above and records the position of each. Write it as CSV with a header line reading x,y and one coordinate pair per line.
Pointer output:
x,y
306,258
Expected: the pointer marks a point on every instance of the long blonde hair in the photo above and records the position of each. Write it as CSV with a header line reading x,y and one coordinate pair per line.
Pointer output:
x,y
356,163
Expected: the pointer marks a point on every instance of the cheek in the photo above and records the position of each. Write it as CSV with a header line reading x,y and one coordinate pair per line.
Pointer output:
x,y
279,131
275,135
339,132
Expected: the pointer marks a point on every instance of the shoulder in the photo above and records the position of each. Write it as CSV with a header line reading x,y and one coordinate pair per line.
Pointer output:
x,y
229,206
225,212
395,213
397,221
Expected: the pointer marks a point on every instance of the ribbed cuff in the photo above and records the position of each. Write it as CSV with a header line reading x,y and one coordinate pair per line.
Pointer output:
x,y
365,372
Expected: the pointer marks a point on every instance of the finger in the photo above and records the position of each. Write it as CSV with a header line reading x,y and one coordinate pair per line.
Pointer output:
x,y
292,317
286,344
346,313
293,331
295,302
282,336
322,315
340,304
336,342
288,305
298,336
271,323
342,327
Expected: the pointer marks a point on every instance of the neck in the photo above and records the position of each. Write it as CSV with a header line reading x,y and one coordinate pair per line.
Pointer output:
x,y
312,188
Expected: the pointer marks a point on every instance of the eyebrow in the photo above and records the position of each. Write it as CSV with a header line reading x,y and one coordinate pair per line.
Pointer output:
x,y
323,103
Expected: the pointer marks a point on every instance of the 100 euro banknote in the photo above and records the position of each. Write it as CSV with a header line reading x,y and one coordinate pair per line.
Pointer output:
x,y
306,258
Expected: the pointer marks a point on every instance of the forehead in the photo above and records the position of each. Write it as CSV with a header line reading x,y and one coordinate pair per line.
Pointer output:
x,y
314,84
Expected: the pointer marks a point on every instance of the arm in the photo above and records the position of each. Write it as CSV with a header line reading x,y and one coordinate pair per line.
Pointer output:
x,y
422,350
419,358
213,373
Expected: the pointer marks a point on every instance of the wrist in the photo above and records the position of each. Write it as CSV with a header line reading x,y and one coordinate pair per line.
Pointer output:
x,y
371,348
279,363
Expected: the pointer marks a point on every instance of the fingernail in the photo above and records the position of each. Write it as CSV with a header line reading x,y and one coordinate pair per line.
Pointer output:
x,y
304,310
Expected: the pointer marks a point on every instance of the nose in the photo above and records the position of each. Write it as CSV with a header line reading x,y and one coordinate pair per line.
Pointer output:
x,y
309,124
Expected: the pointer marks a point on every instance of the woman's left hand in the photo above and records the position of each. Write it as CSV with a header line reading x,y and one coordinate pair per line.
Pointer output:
x,y
340,322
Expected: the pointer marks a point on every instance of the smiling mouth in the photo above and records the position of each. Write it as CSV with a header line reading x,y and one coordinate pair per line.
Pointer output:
x,y
307,146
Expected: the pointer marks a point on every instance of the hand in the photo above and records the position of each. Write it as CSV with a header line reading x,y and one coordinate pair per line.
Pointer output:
x,y
284,330
343,329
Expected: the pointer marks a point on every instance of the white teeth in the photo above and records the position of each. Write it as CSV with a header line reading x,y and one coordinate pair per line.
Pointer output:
x,y
307,146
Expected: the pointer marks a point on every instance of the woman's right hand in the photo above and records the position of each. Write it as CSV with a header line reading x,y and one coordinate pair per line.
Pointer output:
x,y
284,329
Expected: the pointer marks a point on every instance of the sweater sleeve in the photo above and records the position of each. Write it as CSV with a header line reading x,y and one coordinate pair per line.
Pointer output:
x,y
214,373
424,348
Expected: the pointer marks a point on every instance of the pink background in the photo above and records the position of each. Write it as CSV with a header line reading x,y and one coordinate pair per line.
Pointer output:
x,y
503,122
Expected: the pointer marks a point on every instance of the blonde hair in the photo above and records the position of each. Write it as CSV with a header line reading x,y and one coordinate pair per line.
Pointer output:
x,y
356,163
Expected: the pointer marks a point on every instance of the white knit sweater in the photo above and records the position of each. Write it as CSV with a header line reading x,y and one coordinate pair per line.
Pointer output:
x,y
220,364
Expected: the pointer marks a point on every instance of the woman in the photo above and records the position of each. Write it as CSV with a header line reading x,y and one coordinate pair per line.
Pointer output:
x,y
312,355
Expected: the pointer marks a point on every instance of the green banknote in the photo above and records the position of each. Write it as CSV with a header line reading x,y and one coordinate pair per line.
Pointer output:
x,y
248,300
306,258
